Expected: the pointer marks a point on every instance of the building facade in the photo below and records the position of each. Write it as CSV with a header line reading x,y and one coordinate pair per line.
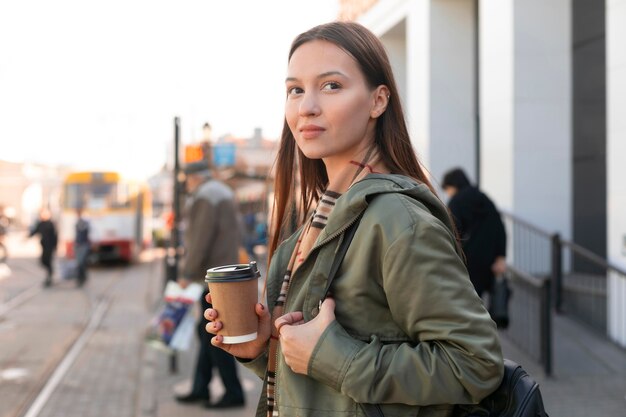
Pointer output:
x,y
27,187
528,97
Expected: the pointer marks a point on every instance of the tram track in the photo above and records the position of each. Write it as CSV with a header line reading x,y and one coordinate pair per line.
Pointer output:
x,y
19,299
68,360
22,295
98,296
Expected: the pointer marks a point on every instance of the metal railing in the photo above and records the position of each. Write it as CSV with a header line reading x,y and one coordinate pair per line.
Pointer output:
x,y
587,287
583,284
530,273
530,324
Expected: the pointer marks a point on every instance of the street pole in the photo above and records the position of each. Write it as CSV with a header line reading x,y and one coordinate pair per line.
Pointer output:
x,y
174,250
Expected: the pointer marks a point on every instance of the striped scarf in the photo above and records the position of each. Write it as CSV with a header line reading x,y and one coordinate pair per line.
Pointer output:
x,y
351,174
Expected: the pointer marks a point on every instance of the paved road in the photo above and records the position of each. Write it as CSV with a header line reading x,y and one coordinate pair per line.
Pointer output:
x,y
42,332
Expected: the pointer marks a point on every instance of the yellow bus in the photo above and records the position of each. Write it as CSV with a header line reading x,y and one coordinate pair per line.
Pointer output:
x,y
118,212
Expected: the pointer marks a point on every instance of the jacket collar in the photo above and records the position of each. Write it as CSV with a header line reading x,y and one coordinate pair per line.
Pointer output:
x,y
356,199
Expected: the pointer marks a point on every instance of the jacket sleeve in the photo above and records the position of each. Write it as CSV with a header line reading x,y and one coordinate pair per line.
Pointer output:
x,y
257,365
199,240
456,357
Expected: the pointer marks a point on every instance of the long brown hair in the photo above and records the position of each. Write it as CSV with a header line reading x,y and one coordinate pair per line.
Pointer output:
x,y
391,136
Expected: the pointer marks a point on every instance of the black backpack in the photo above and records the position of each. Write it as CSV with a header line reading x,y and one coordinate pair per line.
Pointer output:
x,y
517,396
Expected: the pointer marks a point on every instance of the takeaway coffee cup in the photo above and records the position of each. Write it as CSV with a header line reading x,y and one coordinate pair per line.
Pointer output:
x,y
234,293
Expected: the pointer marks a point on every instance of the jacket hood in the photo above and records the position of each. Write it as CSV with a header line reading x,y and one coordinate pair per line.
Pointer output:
x,y
354,201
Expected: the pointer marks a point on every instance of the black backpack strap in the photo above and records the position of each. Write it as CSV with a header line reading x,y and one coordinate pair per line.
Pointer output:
x,y
341,253
372,410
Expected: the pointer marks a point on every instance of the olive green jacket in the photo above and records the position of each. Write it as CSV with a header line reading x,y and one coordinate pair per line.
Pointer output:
x,y
411,334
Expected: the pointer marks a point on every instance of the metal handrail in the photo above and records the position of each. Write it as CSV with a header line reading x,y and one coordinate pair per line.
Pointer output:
x,y
585,253
537,282
526,224
592,257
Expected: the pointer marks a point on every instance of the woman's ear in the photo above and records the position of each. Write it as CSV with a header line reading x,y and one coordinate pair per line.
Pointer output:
x,y
381,100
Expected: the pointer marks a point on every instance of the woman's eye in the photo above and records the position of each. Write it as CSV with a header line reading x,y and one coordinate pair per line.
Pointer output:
x,y
293,91
331,86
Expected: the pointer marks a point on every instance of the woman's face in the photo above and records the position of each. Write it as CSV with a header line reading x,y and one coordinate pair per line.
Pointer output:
x,y
330,109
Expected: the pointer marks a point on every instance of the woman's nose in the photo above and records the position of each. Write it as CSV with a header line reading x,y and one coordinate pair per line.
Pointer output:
x,y
309,105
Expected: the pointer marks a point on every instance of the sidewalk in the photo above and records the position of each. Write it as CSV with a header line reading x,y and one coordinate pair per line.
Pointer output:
x,y
589,372
158,399
159,385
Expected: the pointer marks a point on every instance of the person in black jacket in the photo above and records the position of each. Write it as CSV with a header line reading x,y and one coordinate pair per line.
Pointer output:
x,y
480,228
47,231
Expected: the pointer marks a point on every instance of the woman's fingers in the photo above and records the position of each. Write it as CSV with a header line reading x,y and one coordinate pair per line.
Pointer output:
x,y
213,327
208,298
218,341
210,314
291,319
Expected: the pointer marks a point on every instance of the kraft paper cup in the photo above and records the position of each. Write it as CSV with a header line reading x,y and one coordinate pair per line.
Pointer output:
x,y
234,294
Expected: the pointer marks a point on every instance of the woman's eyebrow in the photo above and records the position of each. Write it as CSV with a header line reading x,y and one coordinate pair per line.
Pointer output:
x,y
322,75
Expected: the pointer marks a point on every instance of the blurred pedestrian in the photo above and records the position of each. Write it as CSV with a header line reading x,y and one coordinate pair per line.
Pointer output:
x,y
480,227
45,228
404,330
212,237
82,247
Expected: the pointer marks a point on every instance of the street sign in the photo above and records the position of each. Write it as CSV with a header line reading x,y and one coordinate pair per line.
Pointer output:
x,y
224,154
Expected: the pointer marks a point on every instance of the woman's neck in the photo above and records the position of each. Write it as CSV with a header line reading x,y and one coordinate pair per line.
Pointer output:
x,y
338,166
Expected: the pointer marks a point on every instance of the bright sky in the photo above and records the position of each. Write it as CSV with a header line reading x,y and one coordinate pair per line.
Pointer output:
x,y
96,84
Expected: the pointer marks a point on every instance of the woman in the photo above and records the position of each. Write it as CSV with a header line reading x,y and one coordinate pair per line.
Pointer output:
x,y
405,328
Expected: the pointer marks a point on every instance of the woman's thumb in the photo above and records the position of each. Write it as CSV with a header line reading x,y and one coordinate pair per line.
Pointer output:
x,y
264,318
328,308
261,311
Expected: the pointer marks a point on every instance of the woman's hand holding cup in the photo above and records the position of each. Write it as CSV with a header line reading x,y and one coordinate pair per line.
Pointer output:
x,y
247,350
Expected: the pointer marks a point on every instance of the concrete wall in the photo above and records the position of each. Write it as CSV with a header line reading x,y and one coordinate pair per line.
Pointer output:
x,y
435,68
616,130
497,100
452,87
395,44
616,163
526,109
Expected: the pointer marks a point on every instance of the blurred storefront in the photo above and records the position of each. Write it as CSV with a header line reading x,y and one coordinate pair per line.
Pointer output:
x,y
245,164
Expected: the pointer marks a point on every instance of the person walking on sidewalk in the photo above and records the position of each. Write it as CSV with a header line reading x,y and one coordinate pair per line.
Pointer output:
x,y
82,247
47,231
482,232
212,237
404,330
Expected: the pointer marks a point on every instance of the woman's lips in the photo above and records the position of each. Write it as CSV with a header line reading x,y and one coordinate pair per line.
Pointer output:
x,y
311,131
